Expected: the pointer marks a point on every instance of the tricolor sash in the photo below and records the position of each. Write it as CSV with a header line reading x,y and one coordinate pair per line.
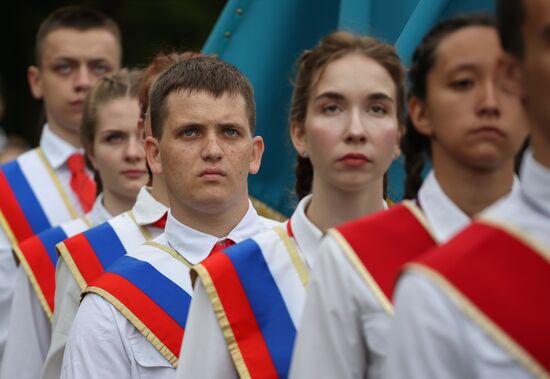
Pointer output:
x,y
380,244
38,257
151,287
87,254
499,278
32,199
257,289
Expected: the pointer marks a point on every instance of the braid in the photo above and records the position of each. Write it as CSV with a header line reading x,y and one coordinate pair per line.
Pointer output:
x,y
304,177
415,147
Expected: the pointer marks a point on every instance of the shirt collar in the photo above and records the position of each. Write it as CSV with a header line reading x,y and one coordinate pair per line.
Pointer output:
x,y
195,245
445,218
535,181
307,235
98,213
55,148
147,209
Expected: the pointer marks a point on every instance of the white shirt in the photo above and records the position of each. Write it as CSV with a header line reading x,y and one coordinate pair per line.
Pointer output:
x,y
30,329
344,327
204,352
146,210
104,344
431,337
57,151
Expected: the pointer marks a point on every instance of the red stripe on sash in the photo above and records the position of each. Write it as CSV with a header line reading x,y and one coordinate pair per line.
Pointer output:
x,y
84,257
12,211
505,279
385,241
241,317
43,270
164,327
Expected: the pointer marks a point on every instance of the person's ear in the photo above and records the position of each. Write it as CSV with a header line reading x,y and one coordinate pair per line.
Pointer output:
x,y
34,78
257,152
152,152
419,113
298,137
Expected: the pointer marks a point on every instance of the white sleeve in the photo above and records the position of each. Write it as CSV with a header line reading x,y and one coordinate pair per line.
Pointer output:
x,y
67,300
7,285
204,353
29,333
426,339
343,329
96,347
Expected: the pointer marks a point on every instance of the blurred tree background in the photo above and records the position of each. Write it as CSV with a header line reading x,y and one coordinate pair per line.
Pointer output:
x,y
148,26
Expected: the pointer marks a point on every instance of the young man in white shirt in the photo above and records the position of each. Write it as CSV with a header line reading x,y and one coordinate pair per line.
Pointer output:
x,y
202,118
478,307
75,46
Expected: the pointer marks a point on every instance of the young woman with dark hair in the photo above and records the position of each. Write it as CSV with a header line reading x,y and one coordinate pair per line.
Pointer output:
x,y
462,120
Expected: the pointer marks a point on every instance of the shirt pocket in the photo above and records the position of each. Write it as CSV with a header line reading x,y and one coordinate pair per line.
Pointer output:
x,y
150,363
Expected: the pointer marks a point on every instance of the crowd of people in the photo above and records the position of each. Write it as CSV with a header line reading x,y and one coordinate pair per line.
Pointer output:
x,y
129,246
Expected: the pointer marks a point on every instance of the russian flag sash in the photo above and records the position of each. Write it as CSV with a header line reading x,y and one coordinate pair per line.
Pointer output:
x,y
380,244
87,254
38,257
33,199
500,278
257,289
152,288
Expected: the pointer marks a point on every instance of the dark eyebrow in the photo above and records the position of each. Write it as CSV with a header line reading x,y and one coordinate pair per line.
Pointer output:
x,y
330,95
338,96
381,96
465,67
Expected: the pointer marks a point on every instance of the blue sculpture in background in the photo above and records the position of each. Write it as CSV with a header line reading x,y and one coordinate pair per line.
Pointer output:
x,y
263,38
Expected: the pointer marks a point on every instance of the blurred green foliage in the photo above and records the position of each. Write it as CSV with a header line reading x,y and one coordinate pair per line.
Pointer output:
x,y
148,26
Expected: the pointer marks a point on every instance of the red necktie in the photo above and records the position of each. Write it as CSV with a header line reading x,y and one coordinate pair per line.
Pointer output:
x,y
83,186
220,245
161,222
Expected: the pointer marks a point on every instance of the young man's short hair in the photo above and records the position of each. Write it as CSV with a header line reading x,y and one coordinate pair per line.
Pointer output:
x,y
208,74
510,19
79,17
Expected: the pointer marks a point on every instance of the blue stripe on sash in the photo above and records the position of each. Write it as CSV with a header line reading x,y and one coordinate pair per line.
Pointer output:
x,y
25,197
266,301
169,296
50,238
105,243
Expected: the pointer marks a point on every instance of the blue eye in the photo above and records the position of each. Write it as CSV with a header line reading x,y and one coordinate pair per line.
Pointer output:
x,y
63,68
101,69
231,132
189,132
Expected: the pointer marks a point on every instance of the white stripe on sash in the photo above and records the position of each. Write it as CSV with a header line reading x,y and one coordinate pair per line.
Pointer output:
x,y
127,231
44,188
75,226
164,263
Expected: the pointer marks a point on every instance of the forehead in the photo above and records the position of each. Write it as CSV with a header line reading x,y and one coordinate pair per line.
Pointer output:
x,y
475,46
92,44
204,108
354,73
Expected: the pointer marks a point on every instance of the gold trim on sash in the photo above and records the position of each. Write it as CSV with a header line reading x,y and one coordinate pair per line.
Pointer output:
x,y
170,251
361,269
58,186
143,329
67,257
294,255
144,231
33,281
7,229
217,305
421,218
521,235
484,322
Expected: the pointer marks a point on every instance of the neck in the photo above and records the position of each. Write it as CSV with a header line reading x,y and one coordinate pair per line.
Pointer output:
x,y
72,138
474,190
158,190
215,221
115,204
331,206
